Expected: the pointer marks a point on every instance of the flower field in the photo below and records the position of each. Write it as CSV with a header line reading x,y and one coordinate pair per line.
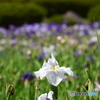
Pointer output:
x,y
43,61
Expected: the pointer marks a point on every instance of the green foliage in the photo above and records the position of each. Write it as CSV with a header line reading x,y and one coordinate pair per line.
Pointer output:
x,y
60,18
61,6
14,65
18,13
15,0
94,14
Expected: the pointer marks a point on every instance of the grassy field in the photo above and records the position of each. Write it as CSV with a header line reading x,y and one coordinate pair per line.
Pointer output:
x,y
22,55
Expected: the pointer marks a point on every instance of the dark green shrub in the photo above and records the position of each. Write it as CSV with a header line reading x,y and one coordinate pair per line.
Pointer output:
x,y
94,14
18,13
15,0
59,19
53,7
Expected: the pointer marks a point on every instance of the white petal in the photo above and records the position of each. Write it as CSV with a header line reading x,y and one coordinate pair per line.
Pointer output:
x,y
52,47
44,64
60,73
42,97
96,89
67,70
45,49
37,73
41,73
97,84
53,78
52,61
50,95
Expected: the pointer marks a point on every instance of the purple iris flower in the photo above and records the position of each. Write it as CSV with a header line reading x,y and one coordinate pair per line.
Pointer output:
x,y
42,55
77,53
86,32
90,58
27,76
75,76
91,43
12,27
69,33
13,36
92,25
65,21
4,54
85,64
52,26
48,99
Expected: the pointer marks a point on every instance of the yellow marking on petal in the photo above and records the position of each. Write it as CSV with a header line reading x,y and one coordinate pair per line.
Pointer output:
x,y
54,68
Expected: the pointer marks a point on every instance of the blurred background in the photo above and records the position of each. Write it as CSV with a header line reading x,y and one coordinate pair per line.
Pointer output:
x,y
32,30
18,12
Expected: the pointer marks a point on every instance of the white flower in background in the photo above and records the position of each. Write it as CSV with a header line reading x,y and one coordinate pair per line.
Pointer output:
x,y
29,52
3,41
52,71
46,96
25,43
1,48
13,41
59,38
82,47
97,87
49,50
93,39
73,41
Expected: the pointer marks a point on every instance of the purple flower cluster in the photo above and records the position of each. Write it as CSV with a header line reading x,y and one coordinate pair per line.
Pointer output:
x,y
29,30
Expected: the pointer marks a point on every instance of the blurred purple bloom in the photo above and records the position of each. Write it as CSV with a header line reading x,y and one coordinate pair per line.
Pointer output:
x,y
75,76
65,21
90,58
13,36
41,56
4,54
11,27
54,28
86,32
77,53
48,99
92,25
91,43
64,79
85,64
59,28
27,76
69,33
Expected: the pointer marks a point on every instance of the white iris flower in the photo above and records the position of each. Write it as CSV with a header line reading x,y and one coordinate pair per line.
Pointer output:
x,y
52,71
46,96
49,50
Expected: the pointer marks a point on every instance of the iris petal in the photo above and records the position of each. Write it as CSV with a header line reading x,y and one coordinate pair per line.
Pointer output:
x,y
53,78
50,95
67,70
41,73
42,97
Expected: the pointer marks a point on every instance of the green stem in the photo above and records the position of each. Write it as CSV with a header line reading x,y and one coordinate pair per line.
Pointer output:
x,y
36,94
8,97
55,90
31,91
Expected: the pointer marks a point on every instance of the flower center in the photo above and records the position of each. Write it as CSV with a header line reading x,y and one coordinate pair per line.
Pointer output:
x,y
54,68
